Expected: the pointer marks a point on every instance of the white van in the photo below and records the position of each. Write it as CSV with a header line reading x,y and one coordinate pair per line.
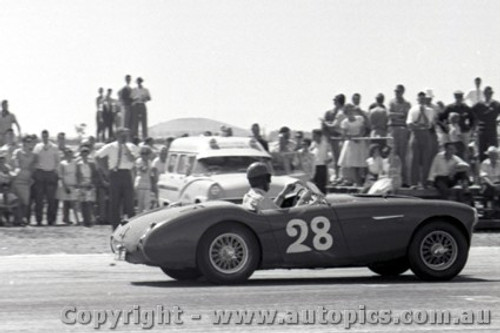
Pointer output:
x,y
211,168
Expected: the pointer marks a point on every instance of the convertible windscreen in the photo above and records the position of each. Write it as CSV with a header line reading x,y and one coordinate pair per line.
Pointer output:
x,y
226,164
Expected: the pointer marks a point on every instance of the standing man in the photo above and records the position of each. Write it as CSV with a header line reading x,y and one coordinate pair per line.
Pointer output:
x,y
108,115
475,95
45,177
121,157
319,149
99,116
434,148
140,96
125,96
467,120
331,127
397,128
487,113
256,135
419,120
7,120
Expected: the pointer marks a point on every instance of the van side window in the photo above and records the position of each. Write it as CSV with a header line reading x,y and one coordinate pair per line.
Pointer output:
x,y
172,160
186,163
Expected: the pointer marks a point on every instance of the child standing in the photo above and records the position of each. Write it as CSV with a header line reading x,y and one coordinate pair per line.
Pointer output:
x,y
86,174
143,180
68,187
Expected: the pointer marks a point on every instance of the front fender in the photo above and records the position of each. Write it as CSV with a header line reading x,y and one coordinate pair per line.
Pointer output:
x,y
195,190
174,244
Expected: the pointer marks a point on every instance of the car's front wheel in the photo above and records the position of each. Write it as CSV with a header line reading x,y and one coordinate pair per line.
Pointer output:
x,y
228,253
182,274
391,267
438,251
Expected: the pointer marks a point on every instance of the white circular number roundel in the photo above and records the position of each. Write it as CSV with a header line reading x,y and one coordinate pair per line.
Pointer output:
x,y
320,226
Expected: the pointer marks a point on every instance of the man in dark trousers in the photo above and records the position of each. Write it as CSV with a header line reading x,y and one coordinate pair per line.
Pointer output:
x,y
47,158
467,120
121,159
125,95
487,113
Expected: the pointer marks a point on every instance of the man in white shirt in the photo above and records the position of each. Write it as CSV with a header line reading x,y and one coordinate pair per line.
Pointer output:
x,y
420,119
320,151
121,157
256,198
490,176
140,96
448,170
475,95
47,158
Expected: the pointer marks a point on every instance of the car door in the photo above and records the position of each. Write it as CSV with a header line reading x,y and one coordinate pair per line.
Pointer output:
x,y
308,236
373,228
168,186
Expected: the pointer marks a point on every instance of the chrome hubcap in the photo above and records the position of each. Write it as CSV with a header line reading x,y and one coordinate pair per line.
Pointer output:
x,y
228,253
438,250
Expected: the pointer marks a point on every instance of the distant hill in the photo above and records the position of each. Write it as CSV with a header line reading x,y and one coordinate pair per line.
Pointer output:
x,y
192,126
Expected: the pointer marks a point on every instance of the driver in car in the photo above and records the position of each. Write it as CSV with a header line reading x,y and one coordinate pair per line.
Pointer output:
x,y
259,178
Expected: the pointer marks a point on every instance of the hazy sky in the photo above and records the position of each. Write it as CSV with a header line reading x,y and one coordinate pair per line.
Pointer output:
x,y
276,62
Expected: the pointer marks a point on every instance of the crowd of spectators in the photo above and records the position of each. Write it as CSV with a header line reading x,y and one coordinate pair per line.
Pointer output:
x,y
380,150
400,145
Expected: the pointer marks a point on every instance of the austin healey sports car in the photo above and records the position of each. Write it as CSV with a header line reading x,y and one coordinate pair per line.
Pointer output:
x,y
226,243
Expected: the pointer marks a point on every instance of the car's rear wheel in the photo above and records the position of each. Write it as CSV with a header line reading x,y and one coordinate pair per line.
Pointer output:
x,y
438,251
228,253
182,274
391,267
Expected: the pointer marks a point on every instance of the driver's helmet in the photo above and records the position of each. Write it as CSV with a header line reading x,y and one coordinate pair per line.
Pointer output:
x,y
258,170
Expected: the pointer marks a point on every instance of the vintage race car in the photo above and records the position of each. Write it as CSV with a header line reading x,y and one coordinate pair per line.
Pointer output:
x,y
226,243
204,168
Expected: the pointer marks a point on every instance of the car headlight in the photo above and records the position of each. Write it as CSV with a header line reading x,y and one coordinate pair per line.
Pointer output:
x,y
215,191
115,245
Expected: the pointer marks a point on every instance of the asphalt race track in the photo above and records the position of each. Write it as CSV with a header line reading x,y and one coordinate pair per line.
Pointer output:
x,y
36,289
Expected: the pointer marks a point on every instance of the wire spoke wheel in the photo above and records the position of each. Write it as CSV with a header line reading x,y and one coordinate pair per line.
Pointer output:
x,y
228,253
438,250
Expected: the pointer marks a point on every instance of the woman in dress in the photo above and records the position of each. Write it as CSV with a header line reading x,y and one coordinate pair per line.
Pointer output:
x,y
354,152
23,161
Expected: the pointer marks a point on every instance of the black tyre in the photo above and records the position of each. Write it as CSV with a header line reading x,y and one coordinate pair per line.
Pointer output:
x,y
228,253
438,251
182,274
391,267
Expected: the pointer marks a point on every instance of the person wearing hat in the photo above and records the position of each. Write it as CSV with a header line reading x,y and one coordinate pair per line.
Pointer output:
x,y
397,128
256,199
448,170
489,174
486,112
419,121
140,96
121,156
466,122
